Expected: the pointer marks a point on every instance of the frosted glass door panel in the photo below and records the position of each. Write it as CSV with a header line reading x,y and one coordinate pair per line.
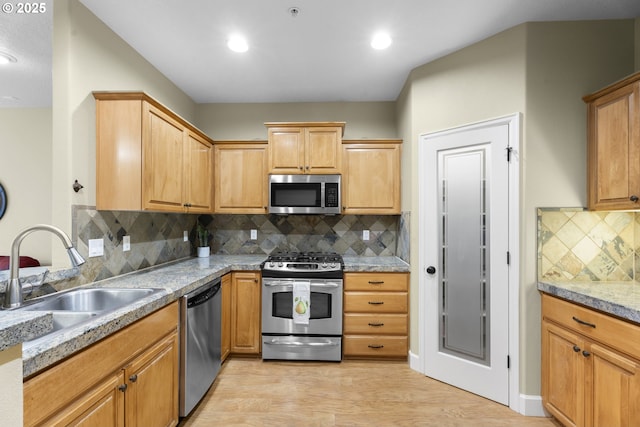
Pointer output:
x,y
463,308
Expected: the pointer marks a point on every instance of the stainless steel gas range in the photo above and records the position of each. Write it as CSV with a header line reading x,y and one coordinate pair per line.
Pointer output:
x,y
302,306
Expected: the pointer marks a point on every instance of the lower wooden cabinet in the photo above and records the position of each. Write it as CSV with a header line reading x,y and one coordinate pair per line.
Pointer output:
x,y
376,320
590,366
225,346
246,318
128,379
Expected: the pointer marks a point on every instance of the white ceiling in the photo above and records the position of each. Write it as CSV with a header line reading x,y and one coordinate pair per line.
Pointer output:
x,y
322,54
26,37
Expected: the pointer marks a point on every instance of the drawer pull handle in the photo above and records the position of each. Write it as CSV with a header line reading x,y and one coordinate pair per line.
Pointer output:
x,y
376,302
582,322
376,282
375,346
376,325
585,353
576,348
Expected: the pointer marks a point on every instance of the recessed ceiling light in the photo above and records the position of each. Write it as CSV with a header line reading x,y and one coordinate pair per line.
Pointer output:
x,y
237,44
5,58
381,41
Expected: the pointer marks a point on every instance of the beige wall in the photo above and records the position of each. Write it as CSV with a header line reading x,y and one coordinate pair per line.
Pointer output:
x,y
88,56
246,121
565,61
541,70
26,177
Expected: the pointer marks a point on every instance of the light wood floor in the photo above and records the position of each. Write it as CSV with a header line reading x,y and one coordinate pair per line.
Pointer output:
x,y
250,392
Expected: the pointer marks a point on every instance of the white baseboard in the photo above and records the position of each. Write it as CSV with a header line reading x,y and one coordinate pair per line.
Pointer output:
x,y
531,406
414,362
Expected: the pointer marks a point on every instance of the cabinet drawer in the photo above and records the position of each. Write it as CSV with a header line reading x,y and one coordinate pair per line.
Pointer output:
x,y
375,302
379,324
374,346
376,282
619,334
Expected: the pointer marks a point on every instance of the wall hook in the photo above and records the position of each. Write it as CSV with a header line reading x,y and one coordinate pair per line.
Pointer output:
x,y
77,186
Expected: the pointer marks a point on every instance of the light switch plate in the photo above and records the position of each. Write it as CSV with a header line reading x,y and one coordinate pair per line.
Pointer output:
x,y
96,247
126,243
185,236
365,234
254,234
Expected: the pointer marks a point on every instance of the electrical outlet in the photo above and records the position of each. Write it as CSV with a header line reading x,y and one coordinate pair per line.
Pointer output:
x,y
126,243
185,236
96,247
365,234
254,234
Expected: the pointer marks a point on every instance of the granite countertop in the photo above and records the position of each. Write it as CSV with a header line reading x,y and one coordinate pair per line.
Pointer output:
x,y
616,298
174,280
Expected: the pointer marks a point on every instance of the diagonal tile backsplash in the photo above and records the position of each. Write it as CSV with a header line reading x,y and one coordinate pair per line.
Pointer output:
x,y
157,238
575,245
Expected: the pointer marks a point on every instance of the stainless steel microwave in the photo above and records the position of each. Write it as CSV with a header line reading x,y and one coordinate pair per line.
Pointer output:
x,y
304,194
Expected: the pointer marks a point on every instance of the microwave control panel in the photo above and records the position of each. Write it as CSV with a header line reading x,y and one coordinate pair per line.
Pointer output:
x,y
331,195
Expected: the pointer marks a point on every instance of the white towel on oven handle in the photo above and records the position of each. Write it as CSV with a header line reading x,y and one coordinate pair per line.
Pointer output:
x,y
301,302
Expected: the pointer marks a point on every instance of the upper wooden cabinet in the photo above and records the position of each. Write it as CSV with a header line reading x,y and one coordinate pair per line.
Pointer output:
x,y
241,177
613,134
371,177
149,158
305,148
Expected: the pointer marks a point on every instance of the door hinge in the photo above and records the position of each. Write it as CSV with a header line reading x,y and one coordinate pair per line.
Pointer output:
x,y
508,258
509,150
508,362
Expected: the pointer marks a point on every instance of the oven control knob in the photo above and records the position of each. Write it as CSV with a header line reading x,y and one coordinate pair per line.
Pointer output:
x,y
280,264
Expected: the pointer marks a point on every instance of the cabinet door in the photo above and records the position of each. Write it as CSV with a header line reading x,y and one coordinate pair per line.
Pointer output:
x,y
614,149
199,174
323,151
563,375
163,158
241,178
245,313
371,179
226,316
152,386
103,406
615,381
286,150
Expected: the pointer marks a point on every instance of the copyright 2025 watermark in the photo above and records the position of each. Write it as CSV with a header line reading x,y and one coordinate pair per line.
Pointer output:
x,y
24,8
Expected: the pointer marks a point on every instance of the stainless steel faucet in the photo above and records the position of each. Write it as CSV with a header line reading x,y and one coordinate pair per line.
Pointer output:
x,y
13,293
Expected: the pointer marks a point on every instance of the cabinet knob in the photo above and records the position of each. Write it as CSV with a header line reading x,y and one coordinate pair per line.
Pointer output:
x,y
133,378
633,198
576,348
122,387
585,353
431,270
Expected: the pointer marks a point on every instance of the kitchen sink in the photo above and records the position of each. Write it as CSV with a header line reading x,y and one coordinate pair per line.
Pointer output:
x,y
77,306
89,299
65,319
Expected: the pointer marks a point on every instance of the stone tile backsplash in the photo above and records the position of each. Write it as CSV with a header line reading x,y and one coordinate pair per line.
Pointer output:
x,y
157,238
575,245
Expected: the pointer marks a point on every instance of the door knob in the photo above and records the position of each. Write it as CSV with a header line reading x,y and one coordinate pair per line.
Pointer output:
x,y
431,269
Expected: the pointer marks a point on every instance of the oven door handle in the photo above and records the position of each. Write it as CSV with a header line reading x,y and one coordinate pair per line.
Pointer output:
x,y
290,284
301,344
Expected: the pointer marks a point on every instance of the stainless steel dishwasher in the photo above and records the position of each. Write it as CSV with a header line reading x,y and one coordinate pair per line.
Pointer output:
x,y
200,340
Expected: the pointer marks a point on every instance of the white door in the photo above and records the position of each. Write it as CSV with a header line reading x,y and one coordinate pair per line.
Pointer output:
x,y
464,250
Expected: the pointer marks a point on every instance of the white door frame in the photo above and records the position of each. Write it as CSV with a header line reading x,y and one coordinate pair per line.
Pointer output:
x,y
513,122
